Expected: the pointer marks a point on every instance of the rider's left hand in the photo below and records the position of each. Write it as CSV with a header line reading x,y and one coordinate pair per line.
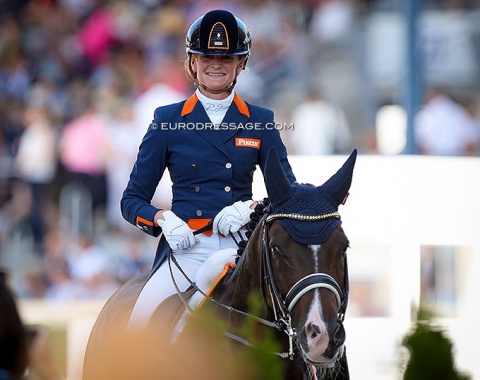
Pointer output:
x,y
232,218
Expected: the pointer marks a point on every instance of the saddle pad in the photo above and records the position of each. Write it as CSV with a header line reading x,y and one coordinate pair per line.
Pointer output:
x,y
212,271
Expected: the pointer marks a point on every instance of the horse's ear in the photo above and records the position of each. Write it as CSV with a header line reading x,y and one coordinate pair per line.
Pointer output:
x,y
276,182
338,185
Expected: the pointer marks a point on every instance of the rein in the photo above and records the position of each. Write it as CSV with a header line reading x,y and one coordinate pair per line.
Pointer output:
x,y
281,308
171,258
266,322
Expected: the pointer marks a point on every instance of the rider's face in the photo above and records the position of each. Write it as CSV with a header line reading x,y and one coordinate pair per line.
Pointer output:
x,y
216,72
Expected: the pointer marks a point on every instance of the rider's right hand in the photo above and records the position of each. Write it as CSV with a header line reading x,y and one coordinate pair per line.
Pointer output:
x,y
178,234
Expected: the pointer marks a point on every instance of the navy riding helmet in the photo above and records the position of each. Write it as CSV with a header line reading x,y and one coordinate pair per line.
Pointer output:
x,y
218,32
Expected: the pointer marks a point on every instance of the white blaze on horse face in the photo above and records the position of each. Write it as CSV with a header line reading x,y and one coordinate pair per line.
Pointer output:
x,y
315,251
316,331
315,328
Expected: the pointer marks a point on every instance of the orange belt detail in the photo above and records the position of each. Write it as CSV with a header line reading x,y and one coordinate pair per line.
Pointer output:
x,y
196,224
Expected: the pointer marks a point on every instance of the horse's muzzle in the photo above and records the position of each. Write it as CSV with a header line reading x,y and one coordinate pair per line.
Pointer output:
x,y
320,344
337,338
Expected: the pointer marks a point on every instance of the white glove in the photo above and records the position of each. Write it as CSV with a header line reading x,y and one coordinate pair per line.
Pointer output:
x,y
232,218
177,232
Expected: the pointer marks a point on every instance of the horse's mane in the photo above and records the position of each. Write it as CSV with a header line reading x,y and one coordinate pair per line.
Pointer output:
x,y
255,218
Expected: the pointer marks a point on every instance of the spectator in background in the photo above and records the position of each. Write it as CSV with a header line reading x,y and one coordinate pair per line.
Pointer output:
x,y
320,127
132,261
273,25
60,285
444,127
97,33
35,163
332,20
122,151
83,153
89,266
6,178
158,92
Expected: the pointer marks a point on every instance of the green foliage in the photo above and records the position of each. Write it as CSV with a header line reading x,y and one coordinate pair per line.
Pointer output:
x,y
431,352
261,358
256,362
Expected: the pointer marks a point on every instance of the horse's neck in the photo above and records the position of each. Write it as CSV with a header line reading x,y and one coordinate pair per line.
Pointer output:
x,y
246,278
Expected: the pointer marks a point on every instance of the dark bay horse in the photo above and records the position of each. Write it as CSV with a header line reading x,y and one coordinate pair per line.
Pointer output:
x,y
295,260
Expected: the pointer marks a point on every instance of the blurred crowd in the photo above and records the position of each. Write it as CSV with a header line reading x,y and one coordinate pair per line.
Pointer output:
x,y
79,81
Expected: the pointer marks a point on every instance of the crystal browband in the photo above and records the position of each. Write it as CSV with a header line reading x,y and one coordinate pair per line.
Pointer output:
x,y
330,215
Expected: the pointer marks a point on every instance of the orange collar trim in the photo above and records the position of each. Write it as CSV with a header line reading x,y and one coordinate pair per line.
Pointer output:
x,y
241,105
190,103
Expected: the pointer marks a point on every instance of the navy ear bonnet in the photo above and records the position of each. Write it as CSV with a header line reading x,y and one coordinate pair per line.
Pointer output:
x,y
306,199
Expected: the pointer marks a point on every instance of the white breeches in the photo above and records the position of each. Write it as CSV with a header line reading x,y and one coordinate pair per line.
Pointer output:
x,y
161,285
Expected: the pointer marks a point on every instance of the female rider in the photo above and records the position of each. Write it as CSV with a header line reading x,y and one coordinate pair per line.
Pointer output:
x,y
211,144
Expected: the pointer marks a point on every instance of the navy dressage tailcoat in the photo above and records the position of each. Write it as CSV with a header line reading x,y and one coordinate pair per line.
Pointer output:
x,y
209,168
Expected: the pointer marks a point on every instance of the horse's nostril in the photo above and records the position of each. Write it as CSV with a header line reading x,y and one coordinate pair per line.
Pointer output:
x,y
316,330
338,333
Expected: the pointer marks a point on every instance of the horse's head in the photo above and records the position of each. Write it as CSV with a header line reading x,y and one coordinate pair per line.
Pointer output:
x,y
305,259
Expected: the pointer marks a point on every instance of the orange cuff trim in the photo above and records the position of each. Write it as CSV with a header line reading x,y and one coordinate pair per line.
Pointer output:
x,y
241,105
217,281
189,104
144,221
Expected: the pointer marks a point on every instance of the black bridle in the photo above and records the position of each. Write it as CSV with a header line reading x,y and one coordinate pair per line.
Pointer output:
x,y
281,307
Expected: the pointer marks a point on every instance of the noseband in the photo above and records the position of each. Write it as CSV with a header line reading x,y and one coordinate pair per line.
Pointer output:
x,y
282,307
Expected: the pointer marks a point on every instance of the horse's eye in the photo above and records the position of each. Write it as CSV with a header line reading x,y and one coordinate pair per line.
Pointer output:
x,y
274,250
